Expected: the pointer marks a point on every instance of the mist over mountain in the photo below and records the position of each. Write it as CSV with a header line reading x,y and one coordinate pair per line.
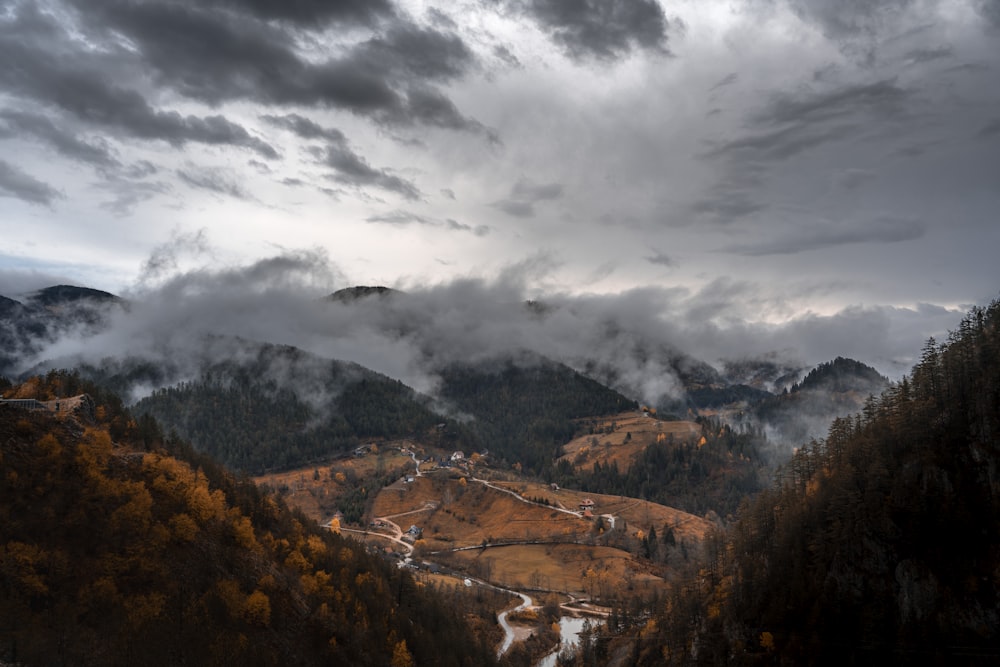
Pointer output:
x,y
648,343
836,388
40,319
679,351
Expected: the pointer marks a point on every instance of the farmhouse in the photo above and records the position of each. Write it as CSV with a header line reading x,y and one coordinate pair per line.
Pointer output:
x,y
586,504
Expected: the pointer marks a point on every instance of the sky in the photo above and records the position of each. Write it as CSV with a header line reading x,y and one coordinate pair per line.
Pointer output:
x,y
823,173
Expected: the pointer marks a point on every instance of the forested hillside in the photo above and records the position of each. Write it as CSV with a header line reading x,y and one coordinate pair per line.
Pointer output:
x,y
877,545
524,412
251,417
714,473
120,547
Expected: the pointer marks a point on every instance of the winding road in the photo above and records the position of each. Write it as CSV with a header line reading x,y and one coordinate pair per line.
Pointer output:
x,y
510,635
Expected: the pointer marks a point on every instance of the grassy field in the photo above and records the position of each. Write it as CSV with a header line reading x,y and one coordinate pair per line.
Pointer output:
x,y
638,514
537,537
600,573
621,438
466,513
314,489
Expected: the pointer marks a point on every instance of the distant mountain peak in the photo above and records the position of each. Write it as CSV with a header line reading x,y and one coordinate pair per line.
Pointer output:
x,y
61,294
349,294
843,375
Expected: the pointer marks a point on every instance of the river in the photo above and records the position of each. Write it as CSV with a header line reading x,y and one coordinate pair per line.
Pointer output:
x,y
569,635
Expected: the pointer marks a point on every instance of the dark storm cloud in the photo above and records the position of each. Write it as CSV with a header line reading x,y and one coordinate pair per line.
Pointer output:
x,y
780,144
849,19
991,128
78,83
928,55
310,12
524,195
789,125
881,99
20,185
600,29
213,56
852,179
991,10
662,259
65,143
214,180
85,95
349,167
304,127
724,205
802,239
352,169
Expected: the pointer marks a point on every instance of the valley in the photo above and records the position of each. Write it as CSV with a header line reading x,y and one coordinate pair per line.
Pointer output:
x,y
511,497
446,516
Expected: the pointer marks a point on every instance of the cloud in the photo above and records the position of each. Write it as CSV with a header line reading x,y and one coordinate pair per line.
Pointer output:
x,y
304,127
929,55
517,209
790,125
214,54
852,179
990,129
164,258
524,195
219,181
42,128
20,185
351,169
880,99
74,83
312,13
803,239
478,230
661,259
641,341
727,80
852,19
601,29
400,218
129,193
